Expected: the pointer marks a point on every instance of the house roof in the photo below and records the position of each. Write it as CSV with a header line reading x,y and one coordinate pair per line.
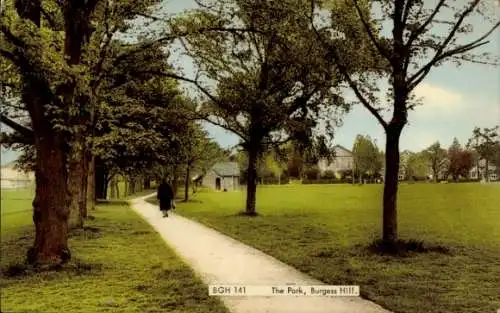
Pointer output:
x,y
343,148
225,169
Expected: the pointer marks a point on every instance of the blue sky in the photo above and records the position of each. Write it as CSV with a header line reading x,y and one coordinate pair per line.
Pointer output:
x,y
455,100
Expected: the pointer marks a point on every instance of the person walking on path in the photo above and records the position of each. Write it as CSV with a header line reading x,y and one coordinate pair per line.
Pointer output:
x,y
165,196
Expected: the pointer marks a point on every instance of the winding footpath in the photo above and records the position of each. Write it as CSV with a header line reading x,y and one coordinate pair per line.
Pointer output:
x,y
218,259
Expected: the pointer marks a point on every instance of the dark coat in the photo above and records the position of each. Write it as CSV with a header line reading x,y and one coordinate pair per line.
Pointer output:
x,y
165,195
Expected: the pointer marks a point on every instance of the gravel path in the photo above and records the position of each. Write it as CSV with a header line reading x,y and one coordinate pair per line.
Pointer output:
x,y
219,259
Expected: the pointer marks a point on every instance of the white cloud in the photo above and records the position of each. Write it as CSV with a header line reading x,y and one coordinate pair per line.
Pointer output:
x,y
437,101
450,106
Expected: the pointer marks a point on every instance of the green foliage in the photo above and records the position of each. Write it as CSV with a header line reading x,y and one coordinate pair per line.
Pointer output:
x,y
312,172
415,165
461,160
367,158
437,157
265,91
486,145
485,142
111,247
328,174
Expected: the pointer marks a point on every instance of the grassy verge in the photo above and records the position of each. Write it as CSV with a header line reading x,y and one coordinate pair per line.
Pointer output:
x,y
119,264
325,231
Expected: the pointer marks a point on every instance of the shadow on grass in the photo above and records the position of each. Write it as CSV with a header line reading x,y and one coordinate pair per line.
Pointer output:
x,y
76,267
111,202
247,214
191,201
405,248
87,232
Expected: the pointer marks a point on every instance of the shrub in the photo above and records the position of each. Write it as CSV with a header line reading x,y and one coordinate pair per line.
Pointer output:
x,y
312,172
328,174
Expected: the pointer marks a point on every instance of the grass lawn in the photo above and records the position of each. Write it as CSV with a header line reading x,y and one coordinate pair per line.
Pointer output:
x,y
119,264
324,230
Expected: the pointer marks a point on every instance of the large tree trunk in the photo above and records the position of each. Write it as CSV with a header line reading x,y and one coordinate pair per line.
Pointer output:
x,y
253,156
392,159
91,184
51,203
186,184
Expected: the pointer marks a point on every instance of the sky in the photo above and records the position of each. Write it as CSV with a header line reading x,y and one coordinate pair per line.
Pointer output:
x,y
455,100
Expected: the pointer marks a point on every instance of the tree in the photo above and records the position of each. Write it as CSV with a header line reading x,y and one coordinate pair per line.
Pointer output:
x,y
485,142
496,159
60,53
461,161
416,166
267,92
437,157
366,157
454,155
415,46
199,152
47,61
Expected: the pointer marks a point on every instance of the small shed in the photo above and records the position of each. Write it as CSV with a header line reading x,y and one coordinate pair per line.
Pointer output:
x,y
223,176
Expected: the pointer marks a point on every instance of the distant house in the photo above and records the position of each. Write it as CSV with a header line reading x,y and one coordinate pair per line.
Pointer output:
x,y
480,172
222,176
14,178
343,160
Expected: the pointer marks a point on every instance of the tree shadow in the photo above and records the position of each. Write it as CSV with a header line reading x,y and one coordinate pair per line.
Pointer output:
x,y
87,232
102,202
405,248
247,214
192,201
76,267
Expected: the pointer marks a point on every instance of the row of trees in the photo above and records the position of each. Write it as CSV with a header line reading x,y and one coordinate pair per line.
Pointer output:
x,y
481,151
86,106
266,71
292,160
336,42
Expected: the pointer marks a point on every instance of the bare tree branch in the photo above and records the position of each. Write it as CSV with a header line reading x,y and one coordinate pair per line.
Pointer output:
x,y
440,55
407,10
97,71
172,37
414,35
23,130
225,126
151,17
